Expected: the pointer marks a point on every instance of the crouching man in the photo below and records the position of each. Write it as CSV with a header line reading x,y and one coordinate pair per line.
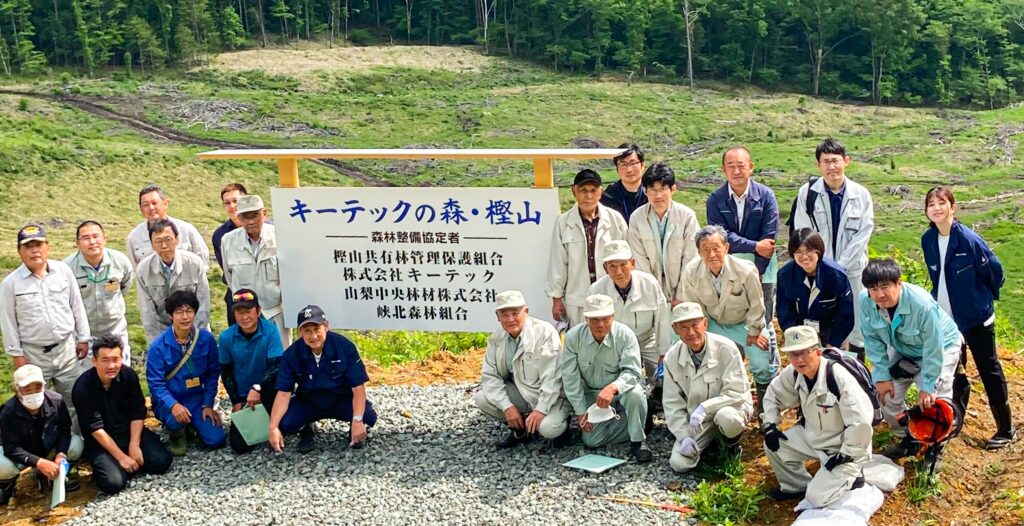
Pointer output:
x,y
707,392
601,374
521,376
112,413
834,428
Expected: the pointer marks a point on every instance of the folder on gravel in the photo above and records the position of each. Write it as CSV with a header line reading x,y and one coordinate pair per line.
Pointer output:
x,y
594,463
253,424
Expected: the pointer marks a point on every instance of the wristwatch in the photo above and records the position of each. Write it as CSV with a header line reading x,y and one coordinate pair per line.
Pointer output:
x,y
257,388
357,418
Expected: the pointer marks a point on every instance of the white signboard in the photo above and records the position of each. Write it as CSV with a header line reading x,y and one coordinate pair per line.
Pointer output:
x,y
429,259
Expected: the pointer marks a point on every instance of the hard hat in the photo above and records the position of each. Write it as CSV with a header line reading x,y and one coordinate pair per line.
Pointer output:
x,y
936,424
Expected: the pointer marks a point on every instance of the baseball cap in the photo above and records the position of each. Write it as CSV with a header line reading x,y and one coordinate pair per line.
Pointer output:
x,y
687,310
244,298
31,233
799,338
585,176
249,203
617,250
311,314
27,375
598,306
510,299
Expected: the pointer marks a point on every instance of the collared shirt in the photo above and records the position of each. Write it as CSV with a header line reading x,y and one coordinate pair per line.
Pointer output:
x,y
696,357
510,351
590,229
188,272
248,356
163,356
624,293
26,438
253,265
534,367
111,409
740,201
139,245
103,290
588,365
41,311
339,370
716,280
224,228
835,203
659,225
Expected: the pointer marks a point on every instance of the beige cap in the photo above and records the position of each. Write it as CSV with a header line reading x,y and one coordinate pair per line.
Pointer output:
x,y
599,306
510,299
687,311
617,250
27,375
799,338
249,203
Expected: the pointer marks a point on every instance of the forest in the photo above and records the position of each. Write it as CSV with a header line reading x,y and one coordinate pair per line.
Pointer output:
x,y
958,53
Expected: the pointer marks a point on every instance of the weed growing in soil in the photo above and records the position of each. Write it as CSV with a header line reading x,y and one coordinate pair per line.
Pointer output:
x,y
923,486
731,501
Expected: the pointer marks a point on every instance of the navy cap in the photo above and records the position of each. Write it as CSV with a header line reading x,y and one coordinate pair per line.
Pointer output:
x,y
585,176
311,314
31,233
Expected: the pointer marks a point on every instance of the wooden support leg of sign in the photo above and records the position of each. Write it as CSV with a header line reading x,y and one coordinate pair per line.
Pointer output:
x,y
288,173
543,173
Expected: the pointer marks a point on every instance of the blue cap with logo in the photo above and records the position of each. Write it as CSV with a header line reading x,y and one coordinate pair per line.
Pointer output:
x,y
311,314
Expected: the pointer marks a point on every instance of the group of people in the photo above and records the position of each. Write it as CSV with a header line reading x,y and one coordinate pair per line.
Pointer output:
x,y
660,312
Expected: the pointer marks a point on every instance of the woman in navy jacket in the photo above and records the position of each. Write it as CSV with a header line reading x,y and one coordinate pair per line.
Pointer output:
x,y
830,311
966,277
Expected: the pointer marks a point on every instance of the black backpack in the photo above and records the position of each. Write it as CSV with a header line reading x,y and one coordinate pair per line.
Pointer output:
x,y
812,196
859,372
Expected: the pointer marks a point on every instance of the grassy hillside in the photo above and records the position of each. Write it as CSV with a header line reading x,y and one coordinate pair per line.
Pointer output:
x,y
60,165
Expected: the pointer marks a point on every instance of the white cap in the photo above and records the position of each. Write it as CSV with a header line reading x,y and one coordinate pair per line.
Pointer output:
x,y
617,250
687,311
598,306
510,299
799,338
27,375
249,203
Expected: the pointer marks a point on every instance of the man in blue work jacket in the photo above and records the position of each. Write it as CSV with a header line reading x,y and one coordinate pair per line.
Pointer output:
x,y
182,371
907,337
327,376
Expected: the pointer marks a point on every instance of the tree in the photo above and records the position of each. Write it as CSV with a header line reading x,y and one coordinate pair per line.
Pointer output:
x,y
892,27
821,21
279,10
232,34
691,13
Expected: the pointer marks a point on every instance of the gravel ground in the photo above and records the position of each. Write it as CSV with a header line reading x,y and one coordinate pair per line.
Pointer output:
x,y
437,467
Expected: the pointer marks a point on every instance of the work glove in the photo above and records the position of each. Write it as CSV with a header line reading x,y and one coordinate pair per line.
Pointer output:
x,y
837,460
697,420
687,447
772,435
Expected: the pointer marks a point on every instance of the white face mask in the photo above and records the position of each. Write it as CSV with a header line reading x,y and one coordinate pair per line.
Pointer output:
x,y
32,401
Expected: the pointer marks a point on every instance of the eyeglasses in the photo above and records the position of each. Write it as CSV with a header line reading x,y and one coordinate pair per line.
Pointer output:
x,y
164,241
184,310
243,296
831,162
630,164
798,355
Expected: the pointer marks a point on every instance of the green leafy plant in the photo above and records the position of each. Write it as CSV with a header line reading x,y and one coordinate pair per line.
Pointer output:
x,y
731,501
393,347
923,486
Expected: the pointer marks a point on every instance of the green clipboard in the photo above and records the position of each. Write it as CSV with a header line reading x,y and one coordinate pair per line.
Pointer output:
x,y
253,424
594,463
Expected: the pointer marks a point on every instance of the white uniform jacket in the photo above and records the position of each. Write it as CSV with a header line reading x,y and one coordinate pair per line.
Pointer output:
x,y
680,248
856,223
259,271
568,274
644,310
741,299
536,370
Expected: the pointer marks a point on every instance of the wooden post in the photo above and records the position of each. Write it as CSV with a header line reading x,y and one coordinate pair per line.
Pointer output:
x,y
288,173
543,173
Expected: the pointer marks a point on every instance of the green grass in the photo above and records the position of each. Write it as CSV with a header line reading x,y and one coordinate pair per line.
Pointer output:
x,y
731,501
923,487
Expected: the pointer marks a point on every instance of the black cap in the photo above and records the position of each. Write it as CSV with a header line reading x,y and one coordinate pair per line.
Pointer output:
x,y
311,314
31,233
585,176
244,298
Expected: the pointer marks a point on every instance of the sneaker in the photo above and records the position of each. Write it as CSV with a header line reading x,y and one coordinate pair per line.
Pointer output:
x,y
641,453
778,494
307,440
512,439
904,448
178,444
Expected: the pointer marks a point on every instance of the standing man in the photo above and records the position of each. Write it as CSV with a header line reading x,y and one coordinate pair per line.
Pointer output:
x,y
748,211
908,338
707,392
521,383
229,196
153,205
581,234
35,429
835,428
112,413
841,212
42,315
249,354
626,195
661,232
729,290
104,277
250,262
168,270
601,369
328,376
182,370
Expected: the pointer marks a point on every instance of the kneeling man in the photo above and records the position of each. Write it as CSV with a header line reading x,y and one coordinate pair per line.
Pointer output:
x,y
707,392
601,370
521,375
835,424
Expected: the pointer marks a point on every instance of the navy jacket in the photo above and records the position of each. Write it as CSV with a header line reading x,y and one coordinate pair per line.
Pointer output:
x,y
973,274
614,197
760,219
340,369
832,309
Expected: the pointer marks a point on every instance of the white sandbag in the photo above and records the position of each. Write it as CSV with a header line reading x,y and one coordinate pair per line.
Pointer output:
x,y
852,508
883,473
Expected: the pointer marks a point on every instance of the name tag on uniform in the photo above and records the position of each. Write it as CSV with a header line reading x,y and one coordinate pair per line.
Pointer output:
x,y
192,383
814,324
111,286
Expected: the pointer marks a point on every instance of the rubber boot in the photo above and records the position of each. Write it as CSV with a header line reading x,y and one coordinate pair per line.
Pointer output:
x,y
7,490
178,445
759,404
72,483
961,389
1005,432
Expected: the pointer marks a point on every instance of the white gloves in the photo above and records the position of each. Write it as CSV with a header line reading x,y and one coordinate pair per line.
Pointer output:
x,y
687,447
697,420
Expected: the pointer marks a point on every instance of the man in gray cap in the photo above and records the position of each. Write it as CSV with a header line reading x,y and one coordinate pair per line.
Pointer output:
x,y
601,375
521,382
707,392
250,261
42,315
